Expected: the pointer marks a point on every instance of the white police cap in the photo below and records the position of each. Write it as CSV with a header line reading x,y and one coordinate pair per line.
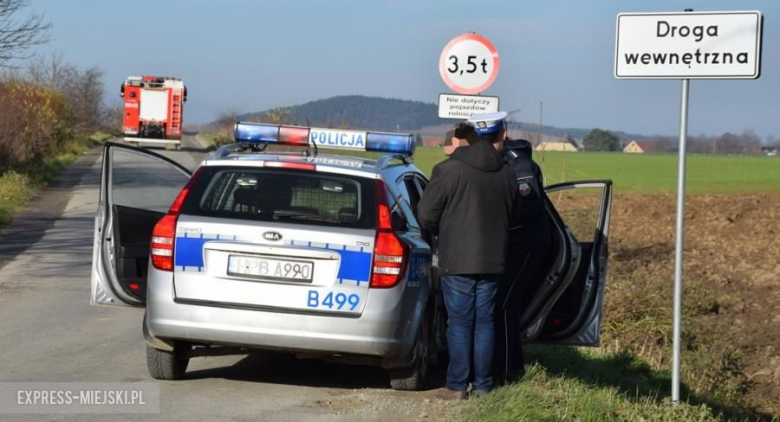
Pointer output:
x,y
485,124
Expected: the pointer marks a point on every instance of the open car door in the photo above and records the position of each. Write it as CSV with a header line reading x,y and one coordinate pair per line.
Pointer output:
x,y
137,187
564,301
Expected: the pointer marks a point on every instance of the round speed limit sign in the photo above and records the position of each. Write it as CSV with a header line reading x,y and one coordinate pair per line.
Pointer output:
x,y
469,64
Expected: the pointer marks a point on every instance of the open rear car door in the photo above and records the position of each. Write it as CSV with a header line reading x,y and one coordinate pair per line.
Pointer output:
x,y
137,187
564,301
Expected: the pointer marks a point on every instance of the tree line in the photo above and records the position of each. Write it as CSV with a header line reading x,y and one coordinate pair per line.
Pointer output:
x,y
747,142
44,101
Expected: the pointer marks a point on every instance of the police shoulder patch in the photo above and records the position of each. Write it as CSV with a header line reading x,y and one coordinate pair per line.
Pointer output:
x,y
524,185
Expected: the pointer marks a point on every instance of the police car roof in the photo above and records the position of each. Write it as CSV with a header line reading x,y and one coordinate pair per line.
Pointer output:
x,y
339,163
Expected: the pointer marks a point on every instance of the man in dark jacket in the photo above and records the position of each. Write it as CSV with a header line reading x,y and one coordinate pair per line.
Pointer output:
x,y
528,246
468,205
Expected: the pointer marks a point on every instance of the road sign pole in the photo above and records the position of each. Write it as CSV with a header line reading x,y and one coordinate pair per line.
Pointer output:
x,y
642,45
678,253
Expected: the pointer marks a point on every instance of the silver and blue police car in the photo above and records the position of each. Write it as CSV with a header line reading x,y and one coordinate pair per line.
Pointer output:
x,y
314,254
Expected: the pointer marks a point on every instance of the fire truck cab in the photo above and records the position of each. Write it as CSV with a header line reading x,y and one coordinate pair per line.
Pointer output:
x,y
153,110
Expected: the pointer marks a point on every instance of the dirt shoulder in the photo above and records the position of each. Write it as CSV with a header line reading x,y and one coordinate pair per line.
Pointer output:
x,y
731,296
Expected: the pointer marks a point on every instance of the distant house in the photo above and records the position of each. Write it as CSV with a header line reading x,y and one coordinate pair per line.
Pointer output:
x,y
557,145
771,150
638,147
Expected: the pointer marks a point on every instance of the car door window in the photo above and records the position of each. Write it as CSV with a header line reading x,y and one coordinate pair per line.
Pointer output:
x,y
414,193
421,183
143,182
404,199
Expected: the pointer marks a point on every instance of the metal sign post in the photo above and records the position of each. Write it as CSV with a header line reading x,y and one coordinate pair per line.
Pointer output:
x,y
679,241
701,45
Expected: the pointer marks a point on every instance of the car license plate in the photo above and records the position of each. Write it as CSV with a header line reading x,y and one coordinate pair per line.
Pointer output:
x,y
270,269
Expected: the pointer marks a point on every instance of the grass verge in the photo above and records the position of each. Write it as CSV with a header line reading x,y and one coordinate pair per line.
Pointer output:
x,y
567,383
19,185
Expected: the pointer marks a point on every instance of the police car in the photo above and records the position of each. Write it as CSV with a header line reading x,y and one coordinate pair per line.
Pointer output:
x,y
314,254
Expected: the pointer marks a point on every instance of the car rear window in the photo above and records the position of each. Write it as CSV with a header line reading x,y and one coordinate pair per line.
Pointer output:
x,y
283,195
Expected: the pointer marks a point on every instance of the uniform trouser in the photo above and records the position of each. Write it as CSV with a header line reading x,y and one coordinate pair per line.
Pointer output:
x,y
521,269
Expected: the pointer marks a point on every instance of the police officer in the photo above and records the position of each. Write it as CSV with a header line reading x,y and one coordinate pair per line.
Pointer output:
x,y
468,205
529,243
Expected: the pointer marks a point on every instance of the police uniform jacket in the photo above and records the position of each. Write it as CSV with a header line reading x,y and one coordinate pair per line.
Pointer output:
x,y
530,227
468,205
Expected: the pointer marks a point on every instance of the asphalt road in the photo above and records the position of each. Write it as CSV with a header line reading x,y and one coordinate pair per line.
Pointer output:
x,y
50,333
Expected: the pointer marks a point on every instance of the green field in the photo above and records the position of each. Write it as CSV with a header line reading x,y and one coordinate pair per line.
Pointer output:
x,y
649,173
638,173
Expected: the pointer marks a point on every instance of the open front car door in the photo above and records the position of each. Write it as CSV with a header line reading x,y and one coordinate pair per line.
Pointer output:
x,y
137,187
564,301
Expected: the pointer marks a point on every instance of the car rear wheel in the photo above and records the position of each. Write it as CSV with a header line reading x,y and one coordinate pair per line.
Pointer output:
x,y
165,365
413,378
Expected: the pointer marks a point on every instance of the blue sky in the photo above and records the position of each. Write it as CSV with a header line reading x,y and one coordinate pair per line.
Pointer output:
x,y
253,55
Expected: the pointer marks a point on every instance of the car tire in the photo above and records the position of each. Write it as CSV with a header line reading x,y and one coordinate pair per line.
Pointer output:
x,y
440,359
413,378
165,365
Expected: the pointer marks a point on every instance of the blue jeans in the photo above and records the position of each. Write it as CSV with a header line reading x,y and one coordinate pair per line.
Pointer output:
x,y
470,302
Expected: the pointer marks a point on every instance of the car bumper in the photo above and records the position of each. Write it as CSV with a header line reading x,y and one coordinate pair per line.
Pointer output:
x,y
386,329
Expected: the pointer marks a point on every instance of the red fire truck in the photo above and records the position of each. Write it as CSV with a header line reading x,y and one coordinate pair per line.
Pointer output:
x,y
153,110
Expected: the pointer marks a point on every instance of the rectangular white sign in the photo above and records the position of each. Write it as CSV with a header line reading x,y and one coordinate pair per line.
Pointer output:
x,y
338,138
693,45
453,106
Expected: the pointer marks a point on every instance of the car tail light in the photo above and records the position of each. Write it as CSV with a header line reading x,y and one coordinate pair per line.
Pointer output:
x,y
390,254
162,242
164,233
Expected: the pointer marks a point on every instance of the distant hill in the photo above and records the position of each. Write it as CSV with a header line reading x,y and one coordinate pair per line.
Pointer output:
x,y
390,114
357,111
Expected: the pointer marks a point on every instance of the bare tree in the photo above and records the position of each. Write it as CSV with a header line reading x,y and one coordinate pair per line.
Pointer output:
x,y
16,37
730,143
750,141
51,72
661,143
279,116
227,118
114,115
701,144
84,94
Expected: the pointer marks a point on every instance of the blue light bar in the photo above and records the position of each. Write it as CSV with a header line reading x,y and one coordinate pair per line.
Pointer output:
x,y
256,133
390,142
353,140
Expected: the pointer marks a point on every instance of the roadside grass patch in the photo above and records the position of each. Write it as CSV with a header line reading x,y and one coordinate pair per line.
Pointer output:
x,y
567,383
20,184
637,319
15,190
216,139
